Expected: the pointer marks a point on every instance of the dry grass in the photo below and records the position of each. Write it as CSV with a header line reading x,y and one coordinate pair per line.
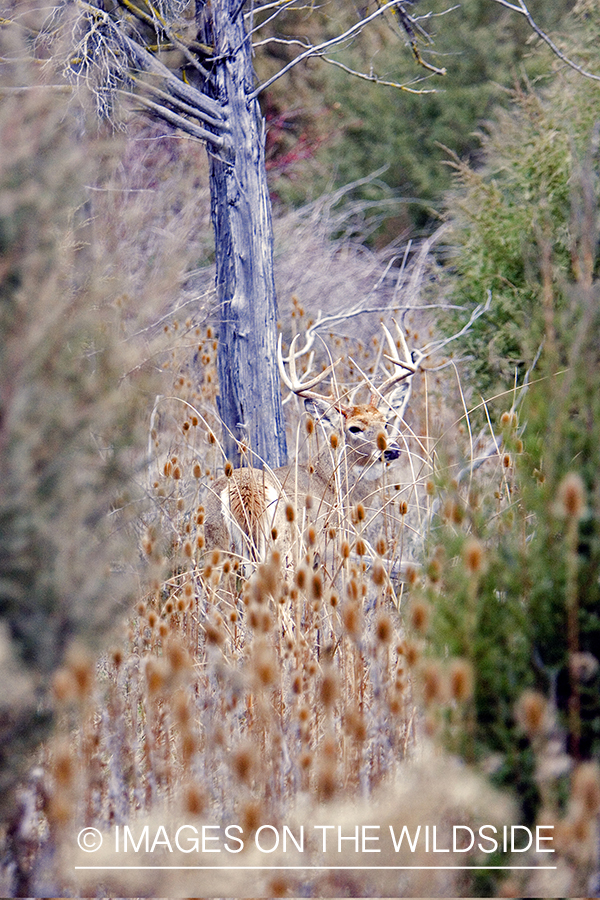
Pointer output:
x,y
254,700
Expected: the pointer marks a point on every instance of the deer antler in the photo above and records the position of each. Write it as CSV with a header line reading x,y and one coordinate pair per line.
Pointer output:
x,y
291,381
399,385
410,365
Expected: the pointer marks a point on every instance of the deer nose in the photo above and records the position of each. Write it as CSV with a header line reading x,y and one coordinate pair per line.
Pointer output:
x,y
392,452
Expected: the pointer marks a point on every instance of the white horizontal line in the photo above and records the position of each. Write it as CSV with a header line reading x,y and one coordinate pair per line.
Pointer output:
x,y
311,868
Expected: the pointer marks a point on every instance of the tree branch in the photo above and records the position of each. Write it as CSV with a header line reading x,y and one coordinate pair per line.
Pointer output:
x,y
106,48
318,49
157,20
521,8
373,77
179,104
187,92
180,122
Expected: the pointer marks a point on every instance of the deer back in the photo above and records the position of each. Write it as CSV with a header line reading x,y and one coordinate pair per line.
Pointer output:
x,y
253,509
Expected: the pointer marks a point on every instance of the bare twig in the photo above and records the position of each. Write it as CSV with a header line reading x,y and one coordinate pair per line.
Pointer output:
x,y
319,49
106,57
156,21
520,7
371,76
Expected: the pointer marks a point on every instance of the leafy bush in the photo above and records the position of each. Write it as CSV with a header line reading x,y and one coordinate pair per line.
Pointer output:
x,y
356,127
512,577
518,220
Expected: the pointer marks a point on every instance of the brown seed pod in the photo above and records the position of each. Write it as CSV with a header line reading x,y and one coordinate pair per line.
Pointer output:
x,y
243,762
531,712
460,676
420,615
329,688
378,573
195,799
382,441
383,628
473,555
571,497
432,682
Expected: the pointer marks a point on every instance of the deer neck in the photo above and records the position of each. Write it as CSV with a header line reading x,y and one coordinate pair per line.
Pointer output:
x,y
334,477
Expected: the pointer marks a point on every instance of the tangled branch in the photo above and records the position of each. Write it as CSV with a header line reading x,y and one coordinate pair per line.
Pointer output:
x,y
112,58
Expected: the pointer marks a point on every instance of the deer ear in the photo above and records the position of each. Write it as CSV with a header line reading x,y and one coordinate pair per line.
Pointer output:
x,y
324,413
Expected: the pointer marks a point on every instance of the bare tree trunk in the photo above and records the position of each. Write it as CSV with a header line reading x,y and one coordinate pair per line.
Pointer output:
x,y
112,53
250,397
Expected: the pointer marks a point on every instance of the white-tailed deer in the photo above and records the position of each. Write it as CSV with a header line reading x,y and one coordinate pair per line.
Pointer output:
x,y
253,510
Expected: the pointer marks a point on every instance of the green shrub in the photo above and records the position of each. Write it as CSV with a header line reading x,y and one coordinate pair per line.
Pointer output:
x,y
514,561
518,227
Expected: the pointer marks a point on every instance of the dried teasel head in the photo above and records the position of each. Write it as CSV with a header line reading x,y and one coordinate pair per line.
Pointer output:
x,y
263,665
378,573
279,886
432,683
63,765
195,799
460,677
329,687
156,675
585,788
420,615
352,618
384,630
531,712
80,666
570,500
474,556
243,762
326,779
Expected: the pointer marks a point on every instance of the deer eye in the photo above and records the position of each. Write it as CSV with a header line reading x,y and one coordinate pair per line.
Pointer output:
x,y
354,429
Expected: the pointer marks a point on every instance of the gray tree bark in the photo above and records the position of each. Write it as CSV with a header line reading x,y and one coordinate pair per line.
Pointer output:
x,y
249,390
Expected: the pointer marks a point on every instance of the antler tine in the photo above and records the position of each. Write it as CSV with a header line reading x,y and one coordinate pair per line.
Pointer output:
x,y
410,368
292,382
402,339
393,380
292,361
391,343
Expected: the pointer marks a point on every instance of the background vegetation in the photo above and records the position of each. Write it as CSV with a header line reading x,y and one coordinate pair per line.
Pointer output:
x,y
337,129
452,642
